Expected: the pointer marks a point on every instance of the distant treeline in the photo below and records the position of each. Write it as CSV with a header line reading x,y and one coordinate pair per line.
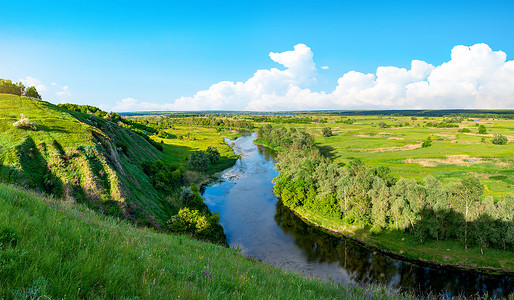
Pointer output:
x,y
168,121
375,199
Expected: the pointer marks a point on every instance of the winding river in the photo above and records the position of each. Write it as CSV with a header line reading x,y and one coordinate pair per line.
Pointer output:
x,y
256,222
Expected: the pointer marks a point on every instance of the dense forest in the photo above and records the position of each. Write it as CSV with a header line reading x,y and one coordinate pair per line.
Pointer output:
x,y
375,199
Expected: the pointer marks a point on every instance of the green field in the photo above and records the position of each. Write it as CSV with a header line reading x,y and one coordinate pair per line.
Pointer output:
x,y
451,156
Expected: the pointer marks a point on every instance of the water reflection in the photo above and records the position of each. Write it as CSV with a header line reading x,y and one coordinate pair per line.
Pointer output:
x,y
255,221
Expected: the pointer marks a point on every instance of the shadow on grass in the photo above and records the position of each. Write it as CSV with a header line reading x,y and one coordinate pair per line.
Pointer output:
x,y
326,150
52,129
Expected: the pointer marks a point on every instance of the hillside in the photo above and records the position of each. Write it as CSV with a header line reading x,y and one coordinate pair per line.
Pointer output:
x,y
50,249
81,157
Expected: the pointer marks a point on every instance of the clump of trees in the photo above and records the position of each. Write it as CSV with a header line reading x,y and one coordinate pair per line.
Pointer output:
x,y
427,142
200,160
164,177
24,122
372,198
9,87
499,139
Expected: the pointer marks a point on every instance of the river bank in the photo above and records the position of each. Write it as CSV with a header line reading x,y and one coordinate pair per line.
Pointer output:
x,y
439,254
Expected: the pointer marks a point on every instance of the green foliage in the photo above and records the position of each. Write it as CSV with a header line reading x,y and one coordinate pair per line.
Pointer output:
x,y
7,237
326,132
32,92
464,130
212,154
8,87
499,139
427,142
198,161
164,177
200,225
382,124
482,129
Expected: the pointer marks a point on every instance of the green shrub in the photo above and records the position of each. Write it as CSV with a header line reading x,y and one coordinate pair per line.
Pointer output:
x,y
499,139
427,143
198,161
464,130
482,129
326,132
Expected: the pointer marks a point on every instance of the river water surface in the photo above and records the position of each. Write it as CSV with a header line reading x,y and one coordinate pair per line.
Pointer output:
x,y
255,221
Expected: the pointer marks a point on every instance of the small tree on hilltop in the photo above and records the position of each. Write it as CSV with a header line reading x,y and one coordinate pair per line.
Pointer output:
x,y
24,122
32,92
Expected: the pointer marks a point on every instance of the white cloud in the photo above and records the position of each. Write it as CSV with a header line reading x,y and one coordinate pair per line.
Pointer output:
x,y
324,67
31,81
474,77
64,92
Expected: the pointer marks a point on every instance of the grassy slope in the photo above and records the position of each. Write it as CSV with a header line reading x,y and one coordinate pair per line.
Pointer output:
x,y
69,251
90,167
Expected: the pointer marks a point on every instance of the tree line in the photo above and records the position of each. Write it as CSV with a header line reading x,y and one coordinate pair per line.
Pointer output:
x,y
9,87
373,198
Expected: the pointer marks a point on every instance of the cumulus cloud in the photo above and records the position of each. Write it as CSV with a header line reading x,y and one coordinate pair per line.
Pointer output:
x,y
474,77
64,92
324,67
31,81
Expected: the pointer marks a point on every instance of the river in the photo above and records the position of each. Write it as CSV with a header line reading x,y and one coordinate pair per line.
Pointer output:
x,y
256,222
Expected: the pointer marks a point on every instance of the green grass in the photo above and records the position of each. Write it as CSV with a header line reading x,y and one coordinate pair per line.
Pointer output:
x,y
198,138
364,138
68,251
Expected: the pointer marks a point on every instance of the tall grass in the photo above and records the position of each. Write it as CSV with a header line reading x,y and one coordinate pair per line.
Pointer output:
x,y
68,251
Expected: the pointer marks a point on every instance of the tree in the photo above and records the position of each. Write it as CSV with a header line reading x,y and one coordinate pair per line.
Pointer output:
x,y
469,193
382,125
32,92
212,154
198,161
427,142
482,129
499,139
326,131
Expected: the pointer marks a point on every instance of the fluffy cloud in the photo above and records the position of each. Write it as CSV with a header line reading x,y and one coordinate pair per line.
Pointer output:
x,y
31,81
474,77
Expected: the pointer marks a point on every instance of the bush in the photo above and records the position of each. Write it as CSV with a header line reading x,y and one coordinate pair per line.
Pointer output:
x,y
24,122
213,154
482,129
326,132
464,130
427,143
499,139
382,125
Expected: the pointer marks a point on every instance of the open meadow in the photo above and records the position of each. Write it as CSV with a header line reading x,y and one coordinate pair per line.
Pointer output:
x,y
396,142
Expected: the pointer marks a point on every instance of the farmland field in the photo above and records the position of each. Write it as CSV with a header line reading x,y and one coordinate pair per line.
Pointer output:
x,y
452,154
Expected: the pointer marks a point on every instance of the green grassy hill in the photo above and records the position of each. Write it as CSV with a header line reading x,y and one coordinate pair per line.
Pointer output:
x,y
81,157
51,249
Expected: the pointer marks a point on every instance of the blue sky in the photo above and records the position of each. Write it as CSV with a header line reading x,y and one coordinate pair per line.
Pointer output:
x,y
156,52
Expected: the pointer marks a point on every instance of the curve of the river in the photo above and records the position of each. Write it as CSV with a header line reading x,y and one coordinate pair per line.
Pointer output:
x,y
255,221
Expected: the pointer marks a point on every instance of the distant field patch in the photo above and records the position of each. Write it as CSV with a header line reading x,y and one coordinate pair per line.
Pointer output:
x,y
459,160
391,149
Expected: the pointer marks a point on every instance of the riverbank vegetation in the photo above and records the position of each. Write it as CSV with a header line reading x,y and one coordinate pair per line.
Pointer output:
x,y
378,206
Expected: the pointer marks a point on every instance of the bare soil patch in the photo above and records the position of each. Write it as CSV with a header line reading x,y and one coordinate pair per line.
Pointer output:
x,y
460,160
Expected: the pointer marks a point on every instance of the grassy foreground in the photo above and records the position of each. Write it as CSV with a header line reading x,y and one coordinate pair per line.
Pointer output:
x,y
68,251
